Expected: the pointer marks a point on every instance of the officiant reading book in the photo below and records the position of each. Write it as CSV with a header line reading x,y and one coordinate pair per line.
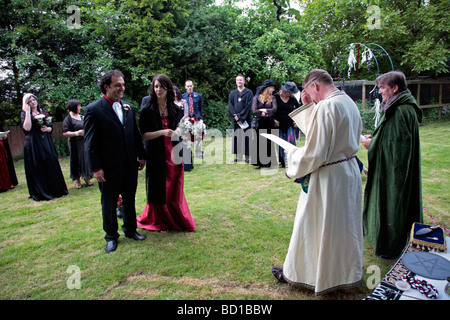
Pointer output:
x,y
326,248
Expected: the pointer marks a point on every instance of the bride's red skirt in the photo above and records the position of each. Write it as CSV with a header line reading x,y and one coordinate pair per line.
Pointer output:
x,y
175,214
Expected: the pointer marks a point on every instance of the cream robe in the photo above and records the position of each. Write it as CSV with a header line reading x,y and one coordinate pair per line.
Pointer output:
x,y
326,248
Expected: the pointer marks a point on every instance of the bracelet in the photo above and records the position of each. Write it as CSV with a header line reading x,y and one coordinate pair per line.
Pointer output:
x,y
76,133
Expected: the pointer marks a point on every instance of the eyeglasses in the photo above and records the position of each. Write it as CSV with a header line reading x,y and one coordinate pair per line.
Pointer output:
x,y
309,82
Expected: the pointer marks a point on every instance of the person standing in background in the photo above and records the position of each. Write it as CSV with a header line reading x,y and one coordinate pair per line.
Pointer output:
x,y
195,109
240,111
73,130
45,179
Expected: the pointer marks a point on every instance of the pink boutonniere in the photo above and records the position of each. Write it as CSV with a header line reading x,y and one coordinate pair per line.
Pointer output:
x,y
126,107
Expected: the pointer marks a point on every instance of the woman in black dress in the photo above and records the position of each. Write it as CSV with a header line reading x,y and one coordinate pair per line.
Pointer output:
x,y
73,129
42,169
286,103
264,107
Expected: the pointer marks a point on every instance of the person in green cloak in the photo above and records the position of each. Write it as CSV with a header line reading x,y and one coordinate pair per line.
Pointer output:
x,y
393,193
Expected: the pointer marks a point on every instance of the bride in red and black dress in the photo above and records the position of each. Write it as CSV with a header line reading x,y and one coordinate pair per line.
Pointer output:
x,y
166,207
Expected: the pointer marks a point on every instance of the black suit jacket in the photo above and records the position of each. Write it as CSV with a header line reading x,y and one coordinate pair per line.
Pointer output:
x,y
111,145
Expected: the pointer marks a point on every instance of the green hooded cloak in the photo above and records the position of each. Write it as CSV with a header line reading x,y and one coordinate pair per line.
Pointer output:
x,y
393,193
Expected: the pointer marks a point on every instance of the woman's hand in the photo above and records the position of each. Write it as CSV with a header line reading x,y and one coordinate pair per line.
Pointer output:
x,y
46,129
26,108
167,132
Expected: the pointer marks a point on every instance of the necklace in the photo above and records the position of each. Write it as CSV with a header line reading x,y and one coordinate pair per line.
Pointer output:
x,y
163,111
165,121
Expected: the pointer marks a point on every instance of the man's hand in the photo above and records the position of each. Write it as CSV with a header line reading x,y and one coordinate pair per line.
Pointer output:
x,y
305,97
141,164
366,141
99,175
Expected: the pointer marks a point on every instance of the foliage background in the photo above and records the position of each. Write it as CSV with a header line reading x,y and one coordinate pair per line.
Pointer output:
x,y
42,51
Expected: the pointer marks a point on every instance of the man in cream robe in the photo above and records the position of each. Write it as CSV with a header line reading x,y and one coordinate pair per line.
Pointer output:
x,y
326,248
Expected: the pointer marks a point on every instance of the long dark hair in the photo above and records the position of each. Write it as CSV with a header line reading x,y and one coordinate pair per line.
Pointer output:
x,y
72,105
172,108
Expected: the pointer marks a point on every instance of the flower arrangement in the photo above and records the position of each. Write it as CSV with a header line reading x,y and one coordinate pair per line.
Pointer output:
x,y
191,130
43,119
119,203
119,207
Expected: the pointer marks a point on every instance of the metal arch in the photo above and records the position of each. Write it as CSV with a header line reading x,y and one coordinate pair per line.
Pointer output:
x,y
366,46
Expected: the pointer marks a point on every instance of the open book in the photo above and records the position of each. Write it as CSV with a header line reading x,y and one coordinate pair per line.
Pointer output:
x,y
282,143
4,134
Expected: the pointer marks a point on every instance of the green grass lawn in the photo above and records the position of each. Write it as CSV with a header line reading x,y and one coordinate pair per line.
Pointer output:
x,y
244,222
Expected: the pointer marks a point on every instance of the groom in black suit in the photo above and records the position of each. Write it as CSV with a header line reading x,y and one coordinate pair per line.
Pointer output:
x,y
113,146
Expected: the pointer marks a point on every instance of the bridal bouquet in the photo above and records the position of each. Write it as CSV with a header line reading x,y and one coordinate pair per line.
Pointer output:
x,y
191,130
43,119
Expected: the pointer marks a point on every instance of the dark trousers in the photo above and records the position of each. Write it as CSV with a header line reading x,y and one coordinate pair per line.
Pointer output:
x,y
110,190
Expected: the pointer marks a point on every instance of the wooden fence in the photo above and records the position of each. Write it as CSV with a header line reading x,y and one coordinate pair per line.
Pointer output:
x,y
429,94
16,137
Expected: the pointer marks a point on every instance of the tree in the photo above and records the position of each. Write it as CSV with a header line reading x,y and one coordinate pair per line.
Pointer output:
x,y
414,33
267,48
139,36
43,55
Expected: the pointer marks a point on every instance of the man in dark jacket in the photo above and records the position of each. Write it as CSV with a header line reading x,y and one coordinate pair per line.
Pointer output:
x,y
240,108
113,146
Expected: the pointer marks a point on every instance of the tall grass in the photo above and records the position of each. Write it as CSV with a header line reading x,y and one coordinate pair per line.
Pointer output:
x,y
244,222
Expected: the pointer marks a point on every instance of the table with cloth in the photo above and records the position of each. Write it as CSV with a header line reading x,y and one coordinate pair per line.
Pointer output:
x,y
424,258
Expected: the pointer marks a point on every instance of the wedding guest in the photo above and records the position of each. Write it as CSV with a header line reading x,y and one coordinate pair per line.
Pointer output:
x,y
5,180
115,154
43,173
73,129
264,107
181,103
146,100
286,103
326,247
8,177
393,194
240,110
195,109
166,207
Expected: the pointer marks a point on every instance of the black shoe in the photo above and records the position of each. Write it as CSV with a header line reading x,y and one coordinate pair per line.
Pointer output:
x,y
137,236
111,246
278,274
